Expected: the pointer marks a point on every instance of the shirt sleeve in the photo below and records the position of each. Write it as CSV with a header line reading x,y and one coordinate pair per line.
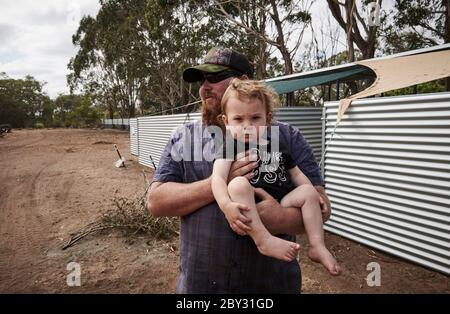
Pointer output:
x,y
169,169
288,161
303,156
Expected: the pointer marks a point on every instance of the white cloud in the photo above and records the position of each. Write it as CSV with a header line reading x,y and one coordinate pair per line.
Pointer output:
x,y
36,38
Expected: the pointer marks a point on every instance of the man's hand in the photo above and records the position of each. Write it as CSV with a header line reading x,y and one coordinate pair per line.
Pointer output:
x,y
324,203
269,209
238,222
242,167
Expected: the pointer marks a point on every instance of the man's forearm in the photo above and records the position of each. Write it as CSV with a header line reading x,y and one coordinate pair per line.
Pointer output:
x,y
179,199
288,220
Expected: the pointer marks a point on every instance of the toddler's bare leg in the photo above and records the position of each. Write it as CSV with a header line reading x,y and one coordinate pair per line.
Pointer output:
x,y
307,198
241,191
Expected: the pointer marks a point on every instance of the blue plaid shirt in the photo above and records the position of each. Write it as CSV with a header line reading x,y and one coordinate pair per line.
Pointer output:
x,y
213,258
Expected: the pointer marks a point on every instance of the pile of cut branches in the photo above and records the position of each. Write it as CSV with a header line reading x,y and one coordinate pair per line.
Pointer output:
x,y
130,215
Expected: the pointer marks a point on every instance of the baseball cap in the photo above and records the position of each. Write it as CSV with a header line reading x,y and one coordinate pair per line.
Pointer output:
x,y
217,60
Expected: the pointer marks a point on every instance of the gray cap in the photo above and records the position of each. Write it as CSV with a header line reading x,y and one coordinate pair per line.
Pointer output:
x,y
218,60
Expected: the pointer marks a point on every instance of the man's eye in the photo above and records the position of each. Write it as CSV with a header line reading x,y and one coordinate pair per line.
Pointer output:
x,y
238,119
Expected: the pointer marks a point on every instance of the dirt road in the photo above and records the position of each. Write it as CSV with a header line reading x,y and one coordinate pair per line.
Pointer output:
x,y
54,182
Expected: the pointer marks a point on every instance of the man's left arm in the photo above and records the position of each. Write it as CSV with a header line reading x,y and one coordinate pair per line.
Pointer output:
x,y
286,220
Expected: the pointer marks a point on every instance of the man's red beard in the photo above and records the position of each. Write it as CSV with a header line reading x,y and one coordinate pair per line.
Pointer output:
x,y
211,114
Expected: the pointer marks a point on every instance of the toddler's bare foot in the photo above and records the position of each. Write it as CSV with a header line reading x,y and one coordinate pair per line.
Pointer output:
x,y
278,248
320,254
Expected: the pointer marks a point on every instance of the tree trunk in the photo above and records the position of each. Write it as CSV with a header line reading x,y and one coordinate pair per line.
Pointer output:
x,y
288,68
132,111
260,71
349,12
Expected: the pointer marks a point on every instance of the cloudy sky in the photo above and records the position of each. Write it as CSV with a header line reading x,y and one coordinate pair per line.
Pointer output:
x,y
36,38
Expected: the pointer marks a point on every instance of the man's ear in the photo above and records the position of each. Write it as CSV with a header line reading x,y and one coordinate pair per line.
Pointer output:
x,y
224,118
221,119
269,118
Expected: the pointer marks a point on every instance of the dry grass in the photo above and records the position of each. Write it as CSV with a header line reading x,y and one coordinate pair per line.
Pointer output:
x,y
131,216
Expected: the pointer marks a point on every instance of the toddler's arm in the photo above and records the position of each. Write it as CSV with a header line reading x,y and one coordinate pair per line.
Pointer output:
x,y
219,181
232,210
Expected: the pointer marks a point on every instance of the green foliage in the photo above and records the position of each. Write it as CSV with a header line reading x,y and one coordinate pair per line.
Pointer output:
x,y
131,55
11,112
21,101
75,111
416,24
39,125
425,88
137,50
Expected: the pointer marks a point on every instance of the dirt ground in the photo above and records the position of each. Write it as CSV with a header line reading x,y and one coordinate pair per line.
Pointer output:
x,y
56,181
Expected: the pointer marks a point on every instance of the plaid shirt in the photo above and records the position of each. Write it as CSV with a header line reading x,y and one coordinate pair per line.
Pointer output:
x,y
213,258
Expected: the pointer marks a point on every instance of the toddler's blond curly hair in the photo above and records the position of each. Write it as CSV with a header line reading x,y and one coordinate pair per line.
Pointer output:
x,y
251,89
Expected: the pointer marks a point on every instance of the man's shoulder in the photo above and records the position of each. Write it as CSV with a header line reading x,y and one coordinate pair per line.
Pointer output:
x,y
189,127
285,131
283,127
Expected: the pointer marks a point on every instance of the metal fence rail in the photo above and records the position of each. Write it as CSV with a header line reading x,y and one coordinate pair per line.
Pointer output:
x,y
387,172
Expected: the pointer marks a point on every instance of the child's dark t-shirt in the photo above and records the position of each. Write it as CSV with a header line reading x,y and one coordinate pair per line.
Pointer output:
x,y
272,171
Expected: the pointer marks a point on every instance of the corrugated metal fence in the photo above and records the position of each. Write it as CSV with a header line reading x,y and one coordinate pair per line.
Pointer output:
x,y
308,121
116,123
387,173
154,131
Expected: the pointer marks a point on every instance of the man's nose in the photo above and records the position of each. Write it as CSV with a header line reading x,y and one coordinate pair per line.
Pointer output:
x,y
206,85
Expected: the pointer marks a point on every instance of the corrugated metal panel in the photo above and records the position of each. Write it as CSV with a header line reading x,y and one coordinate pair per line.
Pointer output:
x,y
387,176
154,133
134,141
308,121
118,122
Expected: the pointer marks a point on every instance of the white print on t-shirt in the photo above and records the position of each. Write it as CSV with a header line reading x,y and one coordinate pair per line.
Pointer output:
x,y
269,163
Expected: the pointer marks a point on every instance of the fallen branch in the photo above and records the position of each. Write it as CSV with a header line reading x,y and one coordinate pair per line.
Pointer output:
x,y
130,215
